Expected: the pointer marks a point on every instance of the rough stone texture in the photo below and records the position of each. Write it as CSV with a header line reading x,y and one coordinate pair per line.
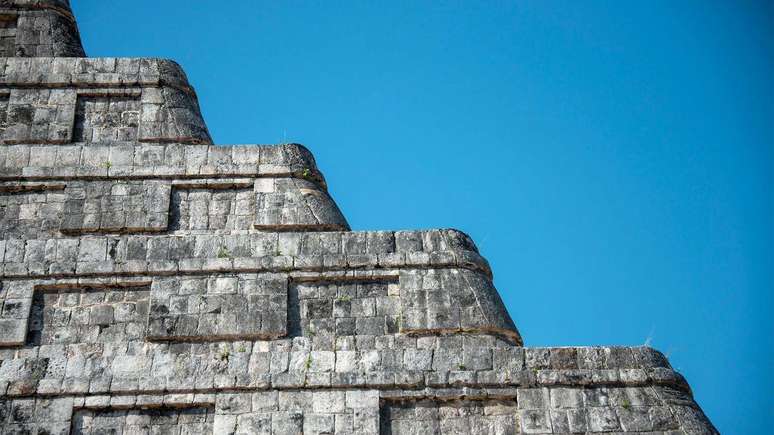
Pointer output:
x,y
65,100
38,28
452,417
245,306
155,283
107,118
68,315
226,209
198,420
104,206
288,204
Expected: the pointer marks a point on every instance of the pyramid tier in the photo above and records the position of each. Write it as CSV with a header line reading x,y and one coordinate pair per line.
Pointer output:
x,y
38,28
49,100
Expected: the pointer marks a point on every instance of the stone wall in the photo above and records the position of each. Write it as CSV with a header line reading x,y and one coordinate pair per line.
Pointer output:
x,y
218,307
328,310
126,206
31,210
275,330
551,402
195,420
22,163
107,118
67,100
451,416
151,282
199,190
81,314
38,28
201,209
8,24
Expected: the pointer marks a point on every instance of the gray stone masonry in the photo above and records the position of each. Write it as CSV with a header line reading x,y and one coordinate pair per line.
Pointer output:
x,y
67,100
154,283
38,28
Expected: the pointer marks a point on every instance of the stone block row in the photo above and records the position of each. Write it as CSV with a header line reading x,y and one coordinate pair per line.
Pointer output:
x,y
94,73
237,307
94,115
138,206
543,411
88,314
107,117
202,253
380,361
199,208
293,412
328,309
143,160
363,411
37,115
166,420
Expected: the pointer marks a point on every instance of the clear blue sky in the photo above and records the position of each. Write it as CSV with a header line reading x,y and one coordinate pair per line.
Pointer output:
x,y
613,160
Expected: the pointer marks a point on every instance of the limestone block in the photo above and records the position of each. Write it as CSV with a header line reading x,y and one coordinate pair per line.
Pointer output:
x,y
452,300
458,416
42,415
326,310
225,307
16,302
291,204
39,116
186,420
23,375
120,206
169,113
98,101
41,28
31,210
106,116
293,412
200,208
88,313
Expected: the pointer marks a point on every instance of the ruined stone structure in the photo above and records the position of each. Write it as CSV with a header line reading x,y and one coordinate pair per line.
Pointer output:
x,y
153,282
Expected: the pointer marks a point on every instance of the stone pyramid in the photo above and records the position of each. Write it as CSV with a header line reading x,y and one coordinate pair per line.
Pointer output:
x,y
153,282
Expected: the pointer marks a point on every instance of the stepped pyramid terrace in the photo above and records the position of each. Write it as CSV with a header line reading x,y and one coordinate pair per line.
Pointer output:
x,y
154,282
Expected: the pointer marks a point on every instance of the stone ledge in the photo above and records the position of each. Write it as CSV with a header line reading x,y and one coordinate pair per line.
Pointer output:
x,y
133,160
368,411
265,264
240,306
76,72
170,254
410,363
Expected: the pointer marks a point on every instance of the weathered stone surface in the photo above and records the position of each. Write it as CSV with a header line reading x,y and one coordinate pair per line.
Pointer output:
x,y
38,28
105,207
155,283
16,302
218,307
452,300
458,417
290,204
66,100
194,420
